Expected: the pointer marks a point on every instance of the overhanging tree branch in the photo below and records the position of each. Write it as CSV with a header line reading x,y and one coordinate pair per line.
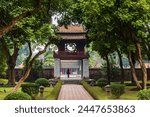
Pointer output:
x,y
40,52
29,67
30,53
10,25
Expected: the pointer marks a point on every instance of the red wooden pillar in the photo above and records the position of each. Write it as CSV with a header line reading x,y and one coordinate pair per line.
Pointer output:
x,y
70,71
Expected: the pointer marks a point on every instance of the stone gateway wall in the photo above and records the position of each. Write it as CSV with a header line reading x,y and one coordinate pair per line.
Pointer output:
x,y
93,73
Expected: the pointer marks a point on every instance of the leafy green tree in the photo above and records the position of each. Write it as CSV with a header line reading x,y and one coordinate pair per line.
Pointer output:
x,y
27,8
26,22
37,69
44,36
3,65
95,60
40,34
48,59
23,53
120,23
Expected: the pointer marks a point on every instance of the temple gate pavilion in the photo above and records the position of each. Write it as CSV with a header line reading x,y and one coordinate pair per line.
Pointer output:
x,y
72,54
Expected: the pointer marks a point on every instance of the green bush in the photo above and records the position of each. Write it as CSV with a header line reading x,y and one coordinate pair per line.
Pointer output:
x,y
92,91
144,94
42,82
102,82
3,81
56,90
18,96
31,89
117,90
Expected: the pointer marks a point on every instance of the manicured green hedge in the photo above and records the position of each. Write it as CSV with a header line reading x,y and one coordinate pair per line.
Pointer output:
x,y
117,90
31,89
42,82
92,91
56,90
18,96
3,81
102,82
144,94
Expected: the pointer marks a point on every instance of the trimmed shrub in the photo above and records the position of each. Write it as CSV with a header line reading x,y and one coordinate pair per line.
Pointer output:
x,y
56,90
31,89
144,94
3,81
92,91
42,82
102,82
117,90
18,96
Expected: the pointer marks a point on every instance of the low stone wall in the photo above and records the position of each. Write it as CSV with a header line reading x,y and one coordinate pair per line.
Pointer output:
x,y
94,73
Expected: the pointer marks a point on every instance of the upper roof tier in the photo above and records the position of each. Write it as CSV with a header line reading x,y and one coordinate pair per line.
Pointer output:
x,y
72,32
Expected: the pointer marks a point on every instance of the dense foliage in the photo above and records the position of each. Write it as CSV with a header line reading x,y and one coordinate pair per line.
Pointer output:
x,y
102,82
27,22
144,94
42,82
3,65
114,70
120,26
3,81
117,90
18,96
37,69
31,89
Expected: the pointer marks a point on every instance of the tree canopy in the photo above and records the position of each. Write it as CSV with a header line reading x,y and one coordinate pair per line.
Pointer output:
x,y
114,25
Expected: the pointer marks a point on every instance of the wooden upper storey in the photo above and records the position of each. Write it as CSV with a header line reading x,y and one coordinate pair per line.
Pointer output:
x,y
73,34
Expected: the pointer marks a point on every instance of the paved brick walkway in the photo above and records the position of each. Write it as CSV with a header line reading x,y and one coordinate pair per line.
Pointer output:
x,y
73,92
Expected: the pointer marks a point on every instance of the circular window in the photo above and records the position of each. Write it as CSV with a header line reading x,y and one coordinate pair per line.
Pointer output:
x,y
70,47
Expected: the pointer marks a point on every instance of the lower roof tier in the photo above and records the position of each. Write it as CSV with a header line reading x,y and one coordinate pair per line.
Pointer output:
x,y
71,56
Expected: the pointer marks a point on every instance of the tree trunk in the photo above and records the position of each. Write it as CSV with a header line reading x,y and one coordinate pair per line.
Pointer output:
x,y
140,59
23,78
143,68
11,76
11,70
108,69
11,60
29,65
133,62
133,71
121,66
11,63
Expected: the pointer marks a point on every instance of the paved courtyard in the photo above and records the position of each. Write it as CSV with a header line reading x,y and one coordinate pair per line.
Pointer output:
x,y
74,92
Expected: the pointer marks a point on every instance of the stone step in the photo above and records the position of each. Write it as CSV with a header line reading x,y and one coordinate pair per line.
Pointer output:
x,y
71,81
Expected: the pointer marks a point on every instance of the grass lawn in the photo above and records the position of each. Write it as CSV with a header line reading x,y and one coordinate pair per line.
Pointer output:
x,y
47,92
128,95
99,94
4,91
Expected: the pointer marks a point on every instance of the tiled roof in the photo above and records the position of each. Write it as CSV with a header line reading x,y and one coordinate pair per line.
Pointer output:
x,y
72,32
71,29
73,36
